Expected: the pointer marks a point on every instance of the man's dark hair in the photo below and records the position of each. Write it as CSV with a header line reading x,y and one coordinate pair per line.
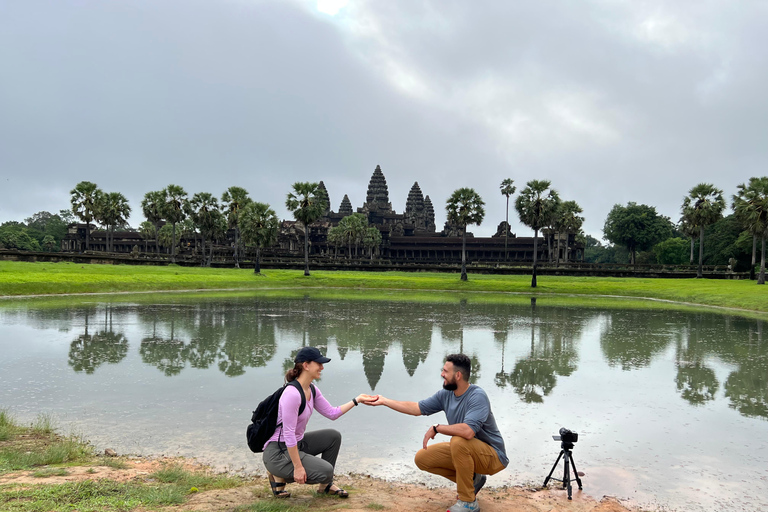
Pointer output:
x,y
461,363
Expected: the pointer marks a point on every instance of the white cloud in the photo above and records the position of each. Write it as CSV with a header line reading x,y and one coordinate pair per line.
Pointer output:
x,y
331,7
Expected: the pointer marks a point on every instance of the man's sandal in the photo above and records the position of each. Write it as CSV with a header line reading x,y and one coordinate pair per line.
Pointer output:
x,y
278,488
341,493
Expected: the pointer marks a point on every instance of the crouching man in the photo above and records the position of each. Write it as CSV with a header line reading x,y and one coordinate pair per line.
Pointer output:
x,y
476,447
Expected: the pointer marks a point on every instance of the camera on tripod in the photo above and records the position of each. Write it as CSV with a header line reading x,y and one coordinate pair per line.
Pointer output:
x,y
567,439
567,436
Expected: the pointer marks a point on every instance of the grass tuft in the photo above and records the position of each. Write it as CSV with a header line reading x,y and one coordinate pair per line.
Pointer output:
x,y
114,463
59,452
6,419
273,506
176,474
43,425
46,473
171,473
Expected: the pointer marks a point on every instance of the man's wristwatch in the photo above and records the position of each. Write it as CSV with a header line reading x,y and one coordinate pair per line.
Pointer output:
x,y
434,427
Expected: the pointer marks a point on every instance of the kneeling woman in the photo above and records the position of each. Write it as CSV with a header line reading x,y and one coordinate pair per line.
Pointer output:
x,y
289,455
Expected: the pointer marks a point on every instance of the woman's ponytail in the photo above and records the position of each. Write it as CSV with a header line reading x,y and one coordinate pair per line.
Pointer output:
x,y
294,372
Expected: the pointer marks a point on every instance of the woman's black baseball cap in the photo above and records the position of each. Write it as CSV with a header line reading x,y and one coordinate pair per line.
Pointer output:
x,y
307,354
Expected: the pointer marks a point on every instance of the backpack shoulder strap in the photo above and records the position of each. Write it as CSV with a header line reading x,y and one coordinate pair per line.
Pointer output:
x,y
301,393
314,392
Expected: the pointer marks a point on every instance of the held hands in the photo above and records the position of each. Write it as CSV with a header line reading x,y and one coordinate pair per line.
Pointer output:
x,y
365,399
376,400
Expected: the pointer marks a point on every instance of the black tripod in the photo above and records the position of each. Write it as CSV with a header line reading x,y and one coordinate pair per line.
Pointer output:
x,y
565,453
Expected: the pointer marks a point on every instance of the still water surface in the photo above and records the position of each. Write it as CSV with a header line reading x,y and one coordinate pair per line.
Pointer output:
x,y
671,406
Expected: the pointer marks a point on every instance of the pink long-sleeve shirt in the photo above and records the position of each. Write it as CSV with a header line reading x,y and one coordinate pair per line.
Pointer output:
x,y
293,424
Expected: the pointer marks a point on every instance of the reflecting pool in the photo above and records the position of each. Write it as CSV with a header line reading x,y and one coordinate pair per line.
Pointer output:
x,y
671,405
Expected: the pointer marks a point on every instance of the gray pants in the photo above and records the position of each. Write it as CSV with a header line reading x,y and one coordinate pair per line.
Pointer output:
x,y
325,443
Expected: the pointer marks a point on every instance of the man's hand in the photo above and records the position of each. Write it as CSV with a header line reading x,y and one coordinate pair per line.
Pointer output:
x,y
429,435
377,400
299,475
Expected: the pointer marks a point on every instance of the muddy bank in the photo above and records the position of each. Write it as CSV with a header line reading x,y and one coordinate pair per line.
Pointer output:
x,y
366,493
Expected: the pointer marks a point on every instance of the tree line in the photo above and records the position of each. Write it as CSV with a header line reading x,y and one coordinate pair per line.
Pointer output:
x,y
638,228
636,232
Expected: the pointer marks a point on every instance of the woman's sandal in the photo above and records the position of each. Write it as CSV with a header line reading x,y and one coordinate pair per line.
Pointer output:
x,y
341,493
278,488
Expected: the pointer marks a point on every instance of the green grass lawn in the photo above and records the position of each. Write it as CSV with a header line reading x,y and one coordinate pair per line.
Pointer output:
x,y
19,278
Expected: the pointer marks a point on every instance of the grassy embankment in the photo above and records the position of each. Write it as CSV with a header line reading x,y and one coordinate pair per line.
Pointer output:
x,y
17,278
35,454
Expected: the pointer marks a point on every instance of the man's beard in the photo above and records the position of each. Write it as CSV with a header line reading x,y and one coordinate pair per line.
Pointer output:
x,y
450,386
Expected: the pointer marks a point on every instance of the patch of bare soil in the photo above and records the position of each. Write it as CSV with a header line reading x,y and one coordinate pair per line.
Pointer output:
x,y
366,493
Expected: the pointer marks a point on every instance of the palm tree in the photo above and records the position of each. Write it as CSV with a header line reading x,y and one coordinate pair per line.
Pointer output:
x,y
335,238
307,204
535,205
352,229
113,210
84,198
750,205
148,230
152,207
173,211
568,221
372,239
507,189
259,227
703,206
233,200
203,209
690,231
464,207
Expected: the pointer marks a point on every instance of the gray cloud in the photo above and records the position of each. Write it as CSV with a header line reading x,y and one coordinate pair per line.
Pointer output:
x,y
613,102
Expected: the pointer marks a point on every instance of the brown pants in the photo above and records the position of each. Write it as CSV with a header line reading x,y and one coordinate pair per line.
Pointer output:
x,y
458,461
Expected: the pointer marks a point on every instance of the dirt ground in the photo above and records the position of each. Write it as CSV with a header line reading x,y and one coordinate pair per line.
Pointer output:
x,y
365,493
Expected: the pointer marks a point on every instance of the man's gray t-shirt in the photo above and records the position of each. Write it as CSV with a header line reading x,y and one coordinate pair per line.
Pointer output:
x,y
472,408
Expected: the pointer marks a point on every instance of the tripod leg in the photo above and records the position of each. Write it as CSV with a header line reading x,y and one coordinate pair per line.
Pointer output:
x,y
566,475
553,469
575,473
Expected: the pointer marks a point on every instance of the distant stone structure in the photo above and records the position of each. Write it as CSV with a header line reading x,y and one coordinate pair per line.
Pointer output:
x,y
411,236
408,237
346,206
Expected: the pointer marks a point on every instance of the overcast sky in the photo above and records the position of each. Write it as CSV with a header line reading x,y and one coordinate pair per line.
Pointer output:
x,y
613,101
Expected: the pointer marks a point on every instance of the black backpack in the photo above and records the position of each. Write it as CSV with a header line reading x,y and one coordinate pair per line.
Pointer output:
x,y
264,418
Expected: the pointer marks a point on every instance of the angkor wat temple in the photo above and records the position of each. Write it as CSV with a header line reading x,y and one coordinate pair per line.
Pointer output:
x,y
408,237
411,236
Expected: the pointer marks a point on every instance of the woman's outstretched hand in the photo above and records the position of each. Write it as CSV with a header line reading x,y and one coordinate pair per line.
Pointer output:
x,y
366,399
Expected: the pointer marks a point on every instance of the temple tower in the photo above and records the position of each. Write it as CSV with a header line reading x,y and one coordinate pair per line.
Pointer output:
x,y
415,212
377,199
429,213
323,192
346,206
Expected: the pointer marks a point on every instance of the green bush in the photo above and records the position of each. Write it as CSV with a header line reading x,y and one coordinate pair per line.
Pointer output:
x,y
673,251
